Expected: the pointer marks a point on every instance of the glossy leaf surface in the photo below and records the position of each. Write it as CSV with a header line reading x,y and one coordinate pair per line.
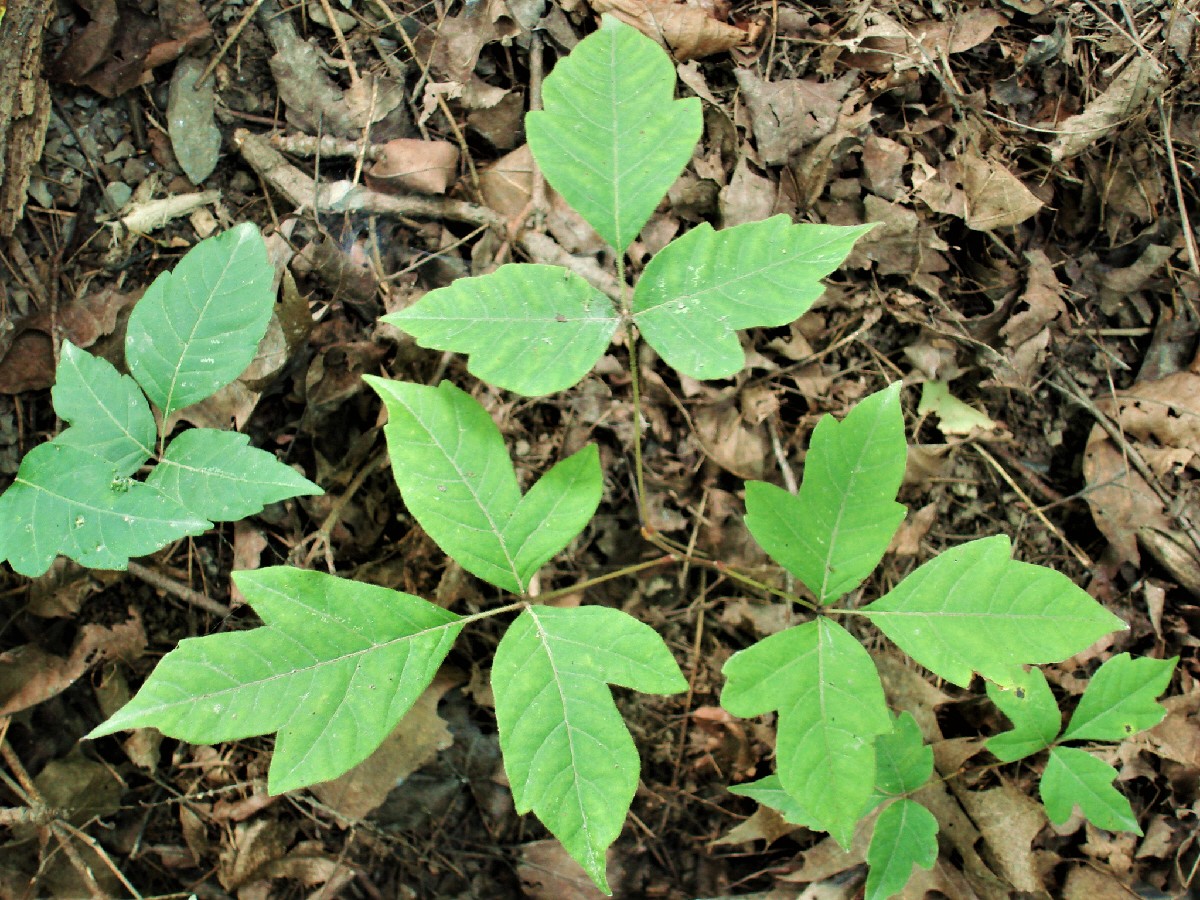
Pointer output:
x,y
67,501
567,752
903,761
1033,711
108,412
217,474
704,287
905,836
1073,778
527,328
831,706
333,668
834,532
456,478
975,609
1120,699
198,326
611,137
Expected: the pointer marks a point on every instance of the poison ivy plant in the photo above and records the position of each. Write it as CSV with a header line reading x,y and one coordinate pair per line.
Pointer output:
x,y
335,665
193,331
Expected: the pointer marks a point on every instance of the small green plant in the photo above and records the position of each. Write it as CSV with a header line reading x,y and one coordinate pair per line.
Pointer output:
x,y
192,332
335,664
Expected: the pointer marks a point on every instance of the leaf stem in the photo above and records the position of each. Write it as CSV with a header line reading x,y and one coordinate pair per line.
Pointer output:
x,y
635,386
488,613
600,579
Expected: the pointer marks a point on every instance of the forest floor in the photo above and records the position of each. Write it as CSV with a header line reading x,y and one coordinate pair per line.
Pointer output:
x,y
1034,278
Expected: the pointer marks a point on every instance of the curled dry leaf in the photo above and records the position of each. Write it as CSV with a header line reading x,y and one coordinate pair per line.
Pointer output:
x,y
687,32
1138,85
1155,416
428,167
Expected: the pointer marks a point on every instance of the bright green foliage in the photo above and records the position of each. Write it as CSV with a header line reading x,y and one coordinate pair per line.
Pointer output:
x,y
454,474
75,495
567,753
218,474
65,500
975,609
197,327
769,792
903,761
110,415
831,707
1076,778
702,288
612,138
1030,706
1120,699
529,328
836,530
905,835
333,668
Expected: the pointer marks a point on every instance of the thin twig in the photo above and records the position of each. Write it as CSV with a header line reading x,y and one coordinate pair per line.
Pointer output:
x,y
178,590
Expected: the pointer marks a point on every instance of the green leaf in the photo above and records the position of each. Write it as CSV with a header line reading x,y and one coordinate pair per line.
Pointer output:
x,y
531,329
831,707
1119,700
566,750
905,835
218,474
975,609
833,534
1031,707
612,138
702,288
108,412
769,792
333,668
65,500
1073,778
198,326
903,761
454,474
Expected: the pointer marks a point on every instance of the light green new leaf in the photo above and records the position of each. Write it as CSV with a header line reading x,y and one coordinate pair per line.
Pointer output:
x,y
567,753
528,328
198,326
1119,700
218,474
1030,706
108,412
453,471
975,609
1073,778
833,534
611,137
905,835
65,500
333,668
831,707
903,761
705,286
769,792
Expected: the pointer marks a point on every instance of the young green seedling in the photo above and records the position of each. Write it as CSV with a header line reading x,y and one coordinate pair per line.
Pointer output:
x,y
193,331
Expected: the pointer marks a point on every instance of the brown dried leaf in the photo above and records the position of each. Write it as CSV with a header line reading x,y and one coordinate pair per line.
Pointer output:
x,y
729,442
995,197
547,872
1139,84
790,114
29,675
765,825
686,32
255,845
1009,821
429,167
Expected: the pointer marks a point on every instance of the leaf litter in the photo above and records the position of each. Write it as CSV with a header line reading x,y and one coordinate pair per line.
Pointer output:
x,y
1023,162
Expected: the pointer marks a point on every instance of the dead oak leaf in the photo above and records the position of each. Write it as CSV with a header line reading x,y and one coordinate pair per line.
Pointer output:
x,y
687,32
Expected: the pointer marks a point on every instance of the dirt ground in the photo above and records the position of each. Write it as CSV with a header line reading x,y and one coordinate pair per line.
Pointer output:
x,y
1034,282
